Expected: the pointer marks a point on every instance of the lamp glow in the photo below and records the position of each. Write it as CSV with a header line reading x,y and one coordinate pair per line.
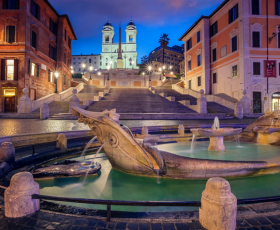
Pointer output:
x,y
56,74
83,65
99,73
90,68
150,67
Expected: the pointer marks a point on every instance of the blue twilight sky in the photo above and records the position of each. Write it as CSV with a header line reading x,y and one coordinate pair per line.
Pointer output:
x,y
151,17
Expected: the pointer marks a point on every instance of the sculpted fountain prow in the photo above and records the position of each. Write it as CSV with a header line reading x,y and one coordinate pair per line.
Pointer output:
x,y
216,135
129,155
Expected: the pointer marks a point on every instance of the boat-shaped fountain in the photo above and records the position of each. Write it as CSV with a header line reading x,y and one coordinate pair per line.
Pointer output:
x,y
129,155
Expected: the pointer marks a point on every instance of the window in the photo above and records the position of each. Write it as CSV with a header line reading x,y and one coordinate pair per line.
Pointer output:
x,y
53,27
65,58
199,81
189,44
234,71
233,44
65,34
214,78
256,39
69,42
68,83
198,60
255,7
33,69
233,14
35,10
189,65
198,37
10,34
64,80
279,40
34,39
51,76
277,7
223,51
52,53
130,38
11,4
107,39
190,84
10,70
213,29
89,60
256,68
214,55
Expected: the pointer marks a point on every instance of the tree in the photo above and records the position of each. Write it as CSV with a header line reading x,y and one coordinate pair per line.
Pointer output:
x,y
144,60
164,41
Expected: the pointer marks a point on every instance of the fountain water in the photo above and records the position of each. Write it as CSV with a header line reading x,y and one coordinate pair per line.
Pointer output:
x,y
88,144
93,160
193,141
237,140
216,125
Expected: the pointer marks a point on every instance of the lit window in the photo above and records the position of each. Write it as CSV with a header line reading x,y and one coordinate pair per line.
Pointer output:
x,y
10,70
51,77
33,66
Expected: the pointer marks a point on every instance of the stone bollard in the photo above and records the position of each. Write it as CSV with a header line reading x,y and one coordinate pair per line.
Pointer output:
x,y
61,142
44,111
145,130
238,111
17,197
25,103
201,103
74,101
181,130
7,153
218,206
245,101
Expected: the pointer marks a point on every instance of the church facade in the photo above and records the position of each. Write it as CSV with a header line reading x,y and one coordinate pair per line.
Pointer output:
x,y
110,50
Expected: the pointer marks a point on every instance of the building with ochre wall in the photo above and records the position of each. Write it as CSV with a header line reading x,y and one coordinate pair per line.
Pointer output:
x,y
225,52
35,42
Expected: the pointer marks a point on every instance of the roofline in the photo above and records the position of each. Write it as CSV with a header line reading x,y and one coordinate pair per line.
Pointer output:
x,y
87,55
64,15
204,17
170,48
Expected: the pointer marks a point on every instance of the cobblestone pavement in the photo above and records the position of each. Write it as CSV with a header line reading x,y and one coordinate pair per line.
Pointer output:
x,y
24,126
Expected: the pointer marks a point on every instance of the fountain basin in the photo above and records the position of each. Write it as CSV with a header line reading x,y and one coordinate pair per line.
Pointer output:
x,y
66,168
216,133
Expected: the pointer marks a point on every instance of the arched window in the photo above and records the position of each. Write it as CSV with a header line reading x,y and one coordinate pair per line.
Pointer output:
x,y
107,39
130,38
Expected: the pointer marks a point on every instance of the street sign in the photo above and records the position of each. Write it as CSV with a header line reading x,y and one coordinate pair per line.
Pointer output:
x,y
270,68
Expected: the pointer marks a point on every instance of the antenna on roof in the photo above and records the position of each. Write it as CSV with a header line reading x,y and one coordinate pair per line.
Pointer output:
x,y
120,23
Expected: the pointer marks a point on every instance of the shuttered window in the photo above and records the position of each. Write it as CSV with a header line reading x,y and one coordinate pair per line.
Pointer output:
x,y
11,4
198,60
34,40
277,7
213,29
233,44
190,84
53,27
256,39
255,7
9,69
233,14
189,65
189,44
64,80
35,9
10,34
198,37
214,54
214,78
69,42
256,68
52,52
234,71
199,81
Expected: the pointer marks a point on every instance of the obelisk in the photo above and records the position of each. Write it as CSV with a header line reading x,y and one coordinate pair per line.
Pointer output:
x,y
120,59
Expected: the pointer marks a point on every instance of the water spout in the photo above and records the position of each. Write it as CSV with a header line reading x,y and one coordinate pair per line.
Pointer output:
x,y
216,124
93,160
193,141
158,182
237,140
87,146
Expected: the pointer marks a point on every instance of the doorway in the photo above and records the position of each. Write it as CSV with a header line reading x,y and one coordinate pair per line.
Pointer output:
x,y
9,104
275,101
257,102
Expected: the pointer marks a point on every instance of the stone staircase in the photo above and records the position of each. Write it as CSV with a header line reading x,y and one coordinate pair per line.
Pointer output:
x,y
137,101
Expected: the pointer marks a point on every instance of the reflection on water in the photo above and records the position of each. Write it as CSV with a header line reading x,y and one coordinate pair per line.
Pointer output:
x,y
112,184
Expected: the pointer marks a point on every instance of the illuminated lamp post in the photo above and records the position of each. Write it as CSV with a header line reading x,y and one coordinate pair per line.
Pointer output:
x,y
90,69
160,73
84,66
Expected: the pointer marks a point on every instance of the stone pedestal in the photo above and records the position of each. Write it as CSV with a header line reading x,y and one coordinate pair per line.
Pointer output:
x,y
44,112
216,144
17,197
7,153
181,130
202,103
25,103
61,142
145,130
74,101
245,101
238,111
218,206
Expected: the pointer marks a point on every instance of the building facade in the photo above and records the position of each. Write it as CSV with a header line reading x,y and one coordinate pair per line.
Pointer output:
x,y
226,52
35,42
92,60
172,57
110,49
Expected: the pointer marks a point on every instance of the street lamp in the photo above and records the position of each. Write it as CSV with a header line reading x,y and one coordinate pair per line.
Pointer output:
x,y
56,74
90,69
132,64
160,73
108,68
99,73
84,66
150,68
